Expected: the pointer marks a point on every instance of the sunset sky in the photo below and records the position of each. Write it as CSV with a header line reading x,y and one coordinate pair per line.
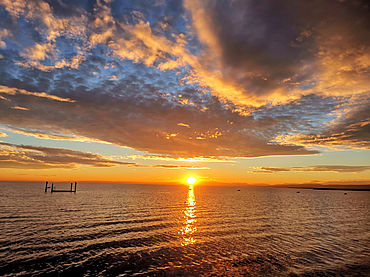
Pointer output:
x,y
243,91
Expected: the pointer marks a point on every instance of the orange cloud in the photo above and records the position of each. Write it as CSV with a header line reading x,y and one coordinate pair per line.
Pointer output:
x,y
45,135
14,91
51,27
184,125
171,166
172,158
20,108
37,157
249,60
113,122
3,33
316,168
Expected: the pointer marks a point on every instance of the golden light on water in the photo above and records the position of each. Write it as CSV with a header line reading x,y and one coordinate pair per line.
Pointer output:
x,y
191,180
188,229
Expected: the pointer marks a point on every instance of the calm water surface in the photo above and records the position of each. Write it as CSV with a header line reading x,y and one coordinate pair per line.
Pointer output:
x,y
141,230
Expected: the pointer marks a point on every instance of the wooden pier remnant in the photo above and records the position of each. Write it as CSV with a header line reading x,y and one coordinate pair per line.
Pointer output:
x,y
46,186
52,188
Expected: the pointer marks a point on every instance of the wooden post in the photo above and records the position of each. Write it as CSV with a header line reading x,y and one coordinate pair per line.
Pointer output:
x,y
71,187
46,186
52,187
75,186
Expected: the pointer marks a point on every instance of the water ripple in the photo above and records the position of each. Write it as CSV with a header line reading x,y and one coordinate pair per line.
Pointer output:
x,y
173,231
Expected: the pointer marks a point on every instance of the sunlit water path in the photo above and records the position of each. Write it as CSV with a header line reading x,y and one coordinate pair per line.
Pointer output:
x,y
112,230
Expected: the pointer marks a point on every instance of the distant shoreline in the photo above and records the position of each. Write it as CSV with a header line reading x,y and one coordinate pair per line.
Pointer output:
x,y
364,189
348,189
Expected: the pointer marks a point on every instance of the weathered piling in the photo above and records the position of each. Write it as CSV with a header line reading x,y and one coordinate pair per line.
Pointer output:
x,y
53,189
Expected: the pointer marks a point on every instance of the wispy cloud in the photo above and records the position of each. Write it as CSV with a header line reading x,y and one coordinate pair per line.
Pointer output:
x,y
172,166
172,158
316,168
3,34
20,108
48,135
37,157
168,166
350,129
15,91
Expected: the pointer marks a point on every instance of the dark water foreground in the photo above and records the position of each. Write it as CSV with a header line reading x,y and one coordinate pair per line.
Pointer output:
x,y
111,230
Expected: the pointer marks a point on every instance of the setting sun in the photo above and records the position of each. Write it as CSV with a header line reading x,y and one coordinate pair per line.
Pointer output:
x,y
191,137
191,180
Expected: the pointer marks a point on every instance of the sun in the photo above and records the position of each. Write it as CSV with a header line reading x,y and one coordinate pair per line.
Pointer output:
x,y
191,180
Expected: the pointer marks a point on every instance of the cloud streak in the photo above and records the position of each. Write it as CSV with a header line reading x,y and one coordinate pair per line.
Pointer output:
x,y
351,129
317,168
15,91
37,157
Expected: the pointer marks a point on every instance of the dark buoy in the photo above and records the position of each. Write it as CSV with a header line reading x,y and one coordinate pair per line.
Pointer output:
x,y
345,193
238,189
298,192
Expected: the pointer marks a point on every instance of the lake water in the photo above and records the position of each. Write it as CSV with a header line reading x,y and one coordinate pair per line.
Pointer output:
x,y
141,230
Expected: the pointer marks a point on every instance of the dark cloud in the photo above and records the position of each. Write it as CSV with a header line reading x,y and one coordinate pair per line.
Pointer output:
x,y
149,122
351,129
286,48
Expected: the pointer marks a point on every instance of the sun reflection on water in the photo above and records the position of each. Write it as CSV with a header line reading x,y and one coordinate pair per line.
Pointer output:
x,y
188,229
